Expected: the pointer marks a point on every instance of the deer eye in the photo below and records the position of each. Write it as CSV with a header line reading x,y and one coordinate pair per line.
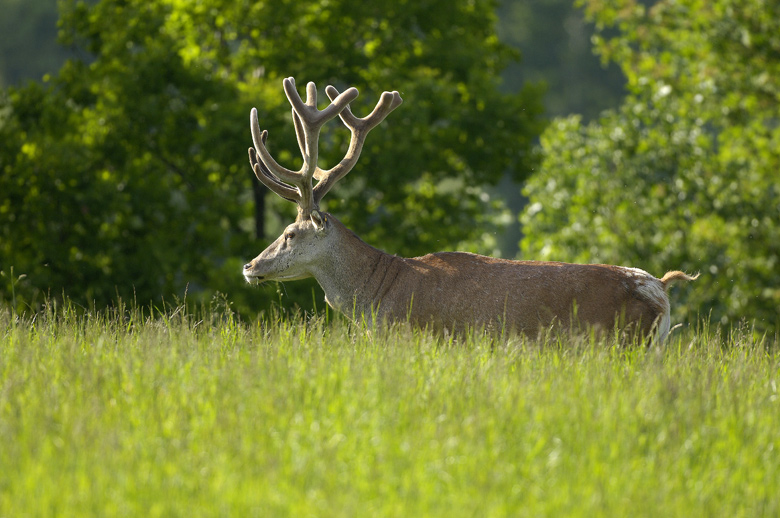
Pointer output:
x,y
289,235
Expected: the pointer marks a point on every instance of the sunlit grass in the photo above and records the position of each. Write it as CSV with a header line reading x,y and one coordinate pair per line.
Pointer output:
x,y
142,413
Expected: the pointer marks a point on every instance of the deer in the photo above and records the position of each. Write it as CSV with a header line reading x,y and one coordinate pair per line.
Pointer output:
x,y
443,291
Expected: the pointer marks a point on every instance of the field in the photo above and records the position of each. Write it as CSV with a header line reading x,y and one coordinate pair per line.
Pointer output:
x,y
135,412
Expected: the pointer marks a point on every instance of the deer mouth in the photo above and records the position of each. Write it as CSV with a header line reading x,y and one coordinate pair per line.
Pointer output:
x,y
250,276
253,279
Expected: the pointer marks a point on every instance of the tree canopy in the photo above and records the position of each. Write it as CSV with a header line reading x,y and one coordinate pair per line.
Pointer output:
x,y
684,175
125,173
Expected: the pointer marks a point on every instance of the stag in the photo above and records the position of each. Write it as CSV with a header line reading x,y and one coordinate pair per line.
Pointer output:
x,y
449,291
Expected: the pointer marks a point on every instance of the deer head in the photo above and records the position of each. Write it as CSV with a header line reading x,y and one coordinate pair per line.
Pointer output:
x,y
301,244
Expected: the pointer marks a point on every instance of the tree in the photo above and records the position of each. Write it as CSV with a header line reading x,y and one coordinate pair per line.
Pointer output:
x,y
127,172
684,173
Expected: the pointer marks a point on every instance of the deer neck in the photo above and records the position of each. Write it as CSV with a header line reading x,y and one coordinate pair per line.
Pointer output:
x,y
351,273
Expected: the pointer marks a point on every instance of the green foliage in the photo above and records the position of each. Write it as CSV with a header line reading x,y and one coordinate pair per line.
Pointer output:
x,y
684,174
147,413
125,171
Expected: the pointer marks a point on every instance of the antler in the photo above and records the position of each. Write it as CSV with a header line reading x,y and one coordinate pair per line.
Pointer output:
x,y
297,185
358,128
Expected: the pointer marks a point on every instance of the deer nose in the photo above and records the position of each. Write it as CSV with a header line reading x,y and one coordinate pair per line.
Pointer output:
x,y
247,266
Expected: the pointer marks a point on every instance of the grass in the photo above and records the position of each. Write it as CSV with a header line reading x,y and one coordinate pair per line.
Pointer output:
x,y
126,413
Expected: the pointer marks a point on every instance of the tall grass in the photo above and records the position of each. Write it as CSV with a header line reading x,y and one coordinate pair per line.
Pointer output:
x,y
135,412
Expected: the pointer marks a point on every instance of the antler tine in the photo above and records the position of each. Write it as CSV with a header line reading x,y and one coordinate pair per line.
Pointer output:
x,y
308,111
308,122
359,128
311,94
269,180
271,164
299,132
388,102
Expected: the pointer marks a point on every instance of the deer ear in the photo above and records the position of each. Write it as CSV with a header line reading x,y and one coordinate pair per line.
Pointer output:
x,y
319,219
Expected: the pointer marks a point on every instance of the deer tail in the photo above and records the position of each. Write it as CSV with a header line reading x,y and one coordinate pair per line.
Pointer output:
x,y
670,277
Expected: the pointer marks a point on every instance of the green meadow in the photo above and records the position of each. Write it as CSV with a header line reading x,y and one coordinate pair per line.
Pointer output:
x,y
134,412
